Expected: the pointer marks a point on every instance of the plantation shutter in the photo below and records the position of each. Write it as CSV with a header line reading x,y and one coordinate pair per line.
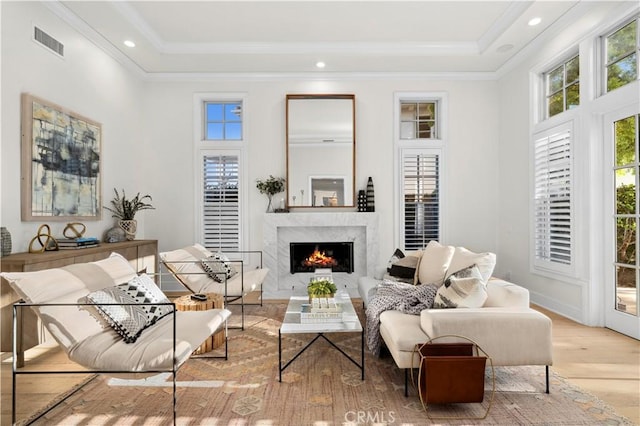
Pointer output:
x,y
421,180
221,213
552,198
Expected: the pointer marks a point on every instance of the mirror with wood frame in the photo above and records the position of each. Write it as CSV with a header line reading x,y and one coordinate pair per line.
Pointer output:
x,y
321,151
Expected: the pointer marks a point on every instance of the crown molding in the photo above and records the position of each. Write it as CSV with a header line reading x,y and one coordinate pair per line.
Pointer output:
x,y
320,76
513,12
93,36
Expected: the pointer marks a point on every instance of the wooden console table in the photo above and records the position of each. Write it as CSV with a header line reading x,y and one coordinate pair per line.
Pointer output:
x,y
140,253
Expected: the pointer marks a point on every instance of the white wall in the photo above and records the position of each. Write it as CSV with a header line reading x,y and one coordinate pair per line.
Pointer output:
x,y
472,157
86,81
579,297
148,134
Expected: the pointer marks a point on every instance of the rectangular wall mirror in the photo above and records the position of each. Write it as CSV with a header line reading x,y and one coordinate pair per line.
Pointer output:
x,y
321,151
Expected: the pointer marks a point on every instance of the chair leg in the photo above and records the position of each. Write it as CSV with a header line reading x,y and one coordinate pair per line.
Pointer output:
x,y
406,382
546,367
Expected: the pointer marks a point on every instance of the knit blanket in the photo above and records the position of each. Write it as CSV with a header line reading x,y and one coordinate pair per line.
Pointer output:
x,y
392,295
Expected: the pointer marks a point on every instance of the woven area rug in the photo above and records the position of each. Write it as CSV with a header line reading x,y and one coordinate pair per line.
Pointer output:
x,y
321,387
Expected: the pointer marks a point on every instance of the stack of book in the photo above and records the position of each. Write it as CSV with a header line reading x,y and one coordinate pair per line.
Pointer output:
x,y
321,310
77,243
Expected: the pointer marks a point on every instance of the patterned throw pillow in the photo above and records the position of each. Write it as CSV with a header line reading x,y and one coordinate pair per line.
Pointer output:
x,y
405,267
137,311
397,255
463,289
217,266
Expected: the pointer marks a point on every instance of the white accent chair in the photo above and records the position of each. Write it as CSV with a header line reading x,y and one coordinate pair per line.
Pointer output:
x,y
58,298
185,264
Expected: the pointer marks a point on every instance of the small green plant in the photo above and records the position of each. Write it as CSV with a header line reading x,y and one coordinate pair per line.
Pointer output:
x,y
321,287
125,209
270,186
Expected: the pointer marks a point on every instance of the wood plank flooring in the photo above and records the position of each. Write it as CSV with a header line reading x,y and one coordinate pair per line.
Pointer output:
x,y
600,361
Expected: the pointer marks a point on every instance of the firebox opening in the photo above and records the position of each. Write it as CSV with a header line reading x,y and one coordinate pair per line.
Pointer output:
x,y
307,257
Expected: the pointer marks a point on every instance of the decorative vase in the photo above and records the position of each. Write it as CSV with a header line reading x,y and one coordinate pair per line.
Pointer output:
x,y
129,227
321,296
269,206
362,201
371,206
5,236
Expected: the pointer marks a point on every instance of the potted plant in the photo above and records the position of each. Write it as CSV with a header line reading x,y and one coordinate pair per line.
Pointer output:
x,y
270,186
125,211
321,288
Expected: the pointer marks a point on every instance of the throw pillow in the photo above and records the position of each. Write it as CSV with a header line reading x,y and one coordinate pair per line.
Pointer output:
x,y
404,267
218,267
434,263
463,258
397,255
465,289
136,310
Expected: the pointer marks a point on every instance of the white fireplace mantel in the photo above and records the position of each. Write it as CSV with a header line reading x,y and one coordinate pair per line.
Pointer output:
x,y
280,229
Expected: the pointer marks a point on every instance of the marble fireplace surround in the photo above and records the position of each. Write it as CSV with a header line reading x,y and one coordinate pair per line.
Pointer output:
x,y
280,229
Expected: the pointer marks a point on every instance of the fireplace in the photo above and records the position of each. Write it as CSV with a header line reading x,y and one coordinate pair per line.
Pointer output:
x,y
307,257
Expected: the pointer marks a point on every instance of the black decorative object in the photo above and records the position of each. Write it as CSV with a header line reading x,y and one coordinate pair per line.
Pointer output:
x,y
362,201
371,204
5,236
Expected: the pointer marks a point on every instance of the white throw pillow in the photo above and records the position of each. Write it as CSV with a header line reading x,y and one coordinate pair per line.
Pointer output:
x,y
434,263
464,290
463,258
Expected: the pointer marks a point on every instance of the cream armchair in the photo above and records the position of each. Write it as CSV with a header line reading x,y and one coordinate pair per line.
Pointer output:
x,y
82,307
186,265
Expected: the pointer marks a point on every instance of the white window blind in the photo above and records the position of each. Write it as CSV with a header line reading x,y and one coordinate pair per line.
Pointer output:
x,y
421,181
221,207
552,221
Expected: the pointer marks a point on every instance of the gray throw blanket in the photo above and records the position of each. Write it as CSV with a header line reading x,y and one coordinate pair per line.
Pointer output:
x,y
391,295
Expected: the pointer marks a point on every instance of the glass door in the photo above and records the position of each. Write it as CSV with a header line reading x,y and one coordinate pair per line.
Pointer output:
x,y
622,141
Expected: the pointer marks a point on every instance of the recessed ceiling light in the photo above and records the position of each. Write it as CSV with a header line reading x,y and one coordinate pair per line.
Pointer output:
x,y
129,43
504,48
320,64
534,21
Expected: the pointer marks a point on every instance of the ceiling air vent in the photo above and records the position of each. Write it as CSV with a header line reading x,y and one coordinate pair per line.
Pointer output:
x,y
49,42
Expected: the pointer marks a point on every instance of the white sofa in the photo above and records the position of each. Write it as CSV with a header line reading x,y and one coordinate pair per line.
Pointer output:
x,y
504,326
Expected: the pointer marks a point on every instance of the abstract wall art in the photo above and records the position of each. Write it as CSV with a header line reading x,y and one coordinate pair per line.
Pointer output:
x,y
60,163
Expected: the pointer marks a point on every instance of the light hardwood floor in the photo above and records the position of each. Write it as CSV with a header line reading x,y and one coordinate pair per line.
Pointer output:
x,y
600,361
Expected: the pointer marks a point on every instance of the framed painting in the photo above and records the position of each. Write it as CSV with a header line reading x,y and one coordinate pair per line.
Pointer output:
x,y
60,163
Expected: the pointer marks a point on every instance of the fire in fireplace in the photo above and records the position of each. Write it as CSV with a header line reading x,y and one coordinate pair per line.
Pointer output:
x,y
307,257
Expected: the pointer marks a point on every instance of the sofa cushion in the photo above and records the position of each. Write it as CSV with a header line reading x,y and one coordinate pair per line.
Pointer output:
x,y
465,289
434,263
69,324
463,258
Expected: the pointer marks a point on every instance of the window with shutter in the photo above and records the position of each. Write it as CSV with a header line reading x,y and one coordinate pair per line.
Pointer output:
x,y
421,206
552,199
220,176
220,203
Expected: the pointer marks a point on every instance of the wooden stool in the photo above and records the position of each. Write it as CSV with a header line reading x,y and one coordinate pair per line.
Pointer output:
x,y
214,301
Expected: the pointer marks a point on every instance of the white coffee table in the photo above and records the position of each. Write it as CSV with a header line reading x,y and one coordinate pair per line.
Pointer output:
x,y
292,325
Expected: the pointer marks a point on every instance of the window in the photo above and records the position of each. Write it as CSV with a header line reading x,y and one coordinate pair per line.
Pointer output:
x,y
418,120
220,182
421,183
420,138
220,212
621,56
223,121
563,87
552,199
